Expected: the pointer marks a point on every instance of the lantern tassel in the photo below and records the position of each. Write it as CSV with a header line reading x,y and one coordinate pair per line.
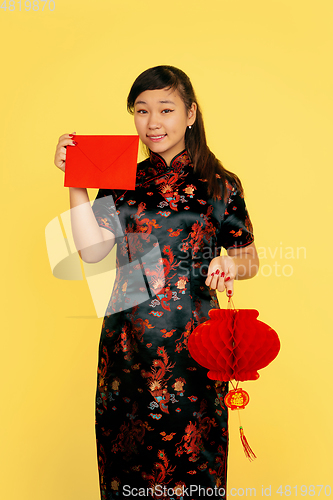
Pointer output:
x,y
247,448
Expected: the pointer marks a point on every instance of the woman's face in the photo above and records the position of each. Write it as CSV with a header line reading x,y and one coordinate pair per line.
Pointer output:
x,y
161,120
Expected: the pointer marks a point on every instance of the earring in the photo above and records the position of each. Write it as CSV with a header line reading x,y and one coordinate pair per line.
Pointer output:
x,y
190,126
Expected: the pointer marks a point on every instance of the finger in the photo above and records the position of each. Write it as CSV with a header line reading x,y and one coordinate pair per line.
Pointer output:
x,y
218,280
229,289
221,285
209,280
60,163
214,278
66,140
214,281
66,136
210,275
60,156
229,283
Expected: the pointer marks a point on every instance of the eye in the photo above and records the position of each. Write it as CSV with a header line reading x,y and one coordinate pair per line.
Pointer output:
x,y
141,111
167,111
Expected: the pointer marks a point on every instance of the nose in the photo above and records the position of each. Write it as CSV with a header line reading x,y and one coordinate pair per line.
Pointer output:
x,y
154,122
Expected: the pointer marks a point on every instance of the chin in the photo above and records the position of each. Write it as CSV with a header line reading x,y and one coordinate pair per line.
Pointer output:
x,y
156,149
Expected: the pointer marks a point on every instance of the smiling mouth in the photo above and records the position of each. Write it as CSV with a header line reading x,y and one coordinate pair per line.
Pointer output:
x,y
156,138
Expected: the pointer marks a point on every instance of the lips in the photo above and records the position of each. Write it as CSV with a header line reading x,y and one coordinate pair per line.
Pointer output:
x,y
156,138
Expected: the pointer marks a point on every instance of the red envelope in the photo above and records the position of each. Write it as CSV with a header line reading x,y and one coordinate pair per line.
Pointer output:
x,y
102,161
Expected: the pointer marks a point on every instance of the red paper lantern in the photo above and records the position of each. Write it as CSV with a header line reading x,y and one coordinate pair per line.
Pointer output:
x,y
233,344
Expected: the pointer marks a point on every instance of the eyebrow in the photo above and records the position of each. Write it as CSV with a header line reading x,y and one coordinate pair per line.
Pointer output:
x,y
161,102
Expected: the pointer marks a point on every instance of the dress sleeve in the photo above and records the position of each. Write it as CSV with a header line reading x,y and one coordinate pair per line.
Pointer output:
x,y
105,211
236,228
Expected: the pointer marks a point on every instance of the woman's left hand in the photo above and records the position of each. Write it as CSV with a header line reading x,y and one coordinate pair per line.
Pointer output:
x,y
221,274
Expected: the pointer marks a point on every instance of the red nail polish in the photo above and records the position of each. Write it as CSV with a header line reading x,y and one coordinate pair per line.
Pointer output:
x,y
212,274
217,271
223,274
71,135
227,279
229,292
75,143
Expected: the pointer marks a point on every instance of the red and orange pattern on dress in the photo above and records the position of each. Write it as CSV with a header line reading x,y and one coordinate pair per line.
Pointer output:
x,y
159,421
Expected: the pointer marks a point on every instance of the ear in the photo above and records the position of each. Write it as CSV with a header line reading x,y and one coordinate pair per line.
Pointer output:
x,y
192,114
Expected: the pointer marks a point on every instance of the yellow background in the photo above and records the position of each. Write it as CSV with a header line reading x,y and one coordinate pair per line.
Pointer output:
x,y
262,70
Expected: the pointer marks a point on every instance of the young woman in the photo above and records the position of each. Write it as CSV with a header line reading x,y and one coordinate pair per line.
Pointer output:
x,y
161,431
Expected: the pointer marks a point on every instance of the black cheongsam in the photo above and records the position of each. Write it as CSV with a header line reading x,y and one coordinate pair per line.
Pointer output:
x,y
161,430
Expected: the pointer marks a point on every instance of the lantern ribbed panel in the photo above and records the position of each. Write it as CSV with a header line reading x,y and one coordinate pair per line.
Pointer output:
x,y
233,344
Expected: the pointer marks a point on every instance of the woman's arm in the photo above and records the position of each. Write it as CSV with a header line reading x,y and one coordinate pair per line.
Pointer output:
x,y
92,242
246,260
240,264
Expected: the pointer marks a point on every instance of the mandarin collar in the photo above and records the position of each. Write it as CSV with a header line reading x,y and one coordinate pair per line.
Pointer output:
x,y
177,163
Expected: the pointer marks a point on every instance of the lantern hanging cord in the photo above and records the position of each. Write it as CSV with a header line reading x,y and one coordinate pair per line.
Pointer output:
x,y
230,303
235,388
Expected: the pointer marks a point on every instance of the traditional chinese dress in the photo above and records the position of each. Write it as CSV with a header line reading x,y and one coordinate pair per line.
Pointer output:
x,y
160,422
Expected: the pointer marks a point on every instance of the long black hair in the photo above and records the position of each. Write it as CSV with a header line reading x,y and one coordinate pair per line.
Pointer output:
x,y
204,161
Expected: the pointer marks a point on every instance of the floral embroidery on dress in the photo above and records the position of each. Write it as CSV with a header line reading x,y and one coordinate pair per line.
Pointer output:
x,y
159,420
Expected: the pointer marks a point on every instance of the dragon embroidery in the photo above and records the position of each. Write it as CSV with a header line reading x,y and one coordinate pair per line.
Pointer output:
x,y
157,380
160,472
192,441
129,434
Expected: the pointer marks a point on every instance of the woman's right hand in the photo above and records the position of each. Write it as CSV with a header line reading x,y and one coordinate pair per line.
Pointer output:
x,y
60,154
